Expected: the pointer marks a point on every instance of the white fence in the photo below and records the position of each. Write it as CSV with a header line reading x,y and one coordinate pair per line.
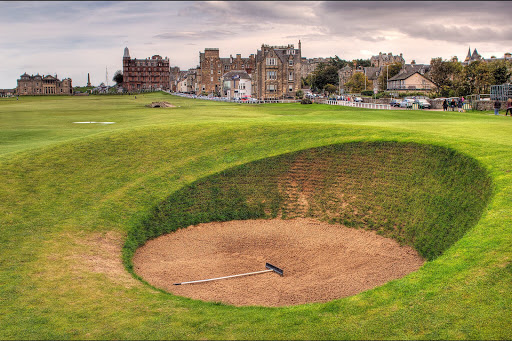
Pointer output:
x,y
359,104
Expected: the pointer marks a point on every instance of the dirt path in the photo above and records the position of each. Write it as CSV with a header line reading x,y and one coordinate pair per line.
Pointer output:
x,y
321,262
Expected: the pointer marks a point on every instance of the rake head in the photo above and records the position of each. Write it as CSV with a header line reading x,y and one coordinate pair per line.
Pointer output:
x,y
274,268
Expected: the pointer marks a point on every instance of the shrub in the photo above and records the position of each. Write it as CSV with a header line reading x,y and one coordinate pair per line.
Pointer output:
x,y
306,101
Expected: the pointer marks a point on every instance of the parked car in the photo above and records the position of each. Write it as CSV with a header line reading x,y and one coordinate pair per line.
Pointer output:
x,y
358,99
394,103
423,103
406,103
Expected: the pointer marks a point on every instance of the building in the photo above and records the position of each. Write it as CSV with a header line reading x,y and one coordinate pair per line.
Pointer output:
x,y
412,78
43,85
145,74
383,59
472,57
506,56
187,81
309,65
237,84
7,92
344,74
278,72
212,67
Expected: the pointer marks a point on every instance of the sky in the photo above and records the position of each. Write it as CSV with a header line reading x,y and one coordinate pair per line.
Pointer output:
x,y
72,39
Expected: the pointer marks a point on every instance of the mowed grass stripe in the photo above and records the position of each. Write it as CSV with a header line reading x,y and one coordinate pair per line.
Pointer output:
x,y
66,205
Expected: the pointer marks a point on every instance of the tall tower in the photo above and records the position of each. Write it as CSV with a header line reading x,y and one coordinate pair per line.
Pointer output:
x,y
88,80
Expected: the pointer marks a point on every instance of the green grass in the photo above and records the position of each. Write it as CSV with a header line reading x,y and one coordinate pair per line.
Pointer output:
x,y
71,195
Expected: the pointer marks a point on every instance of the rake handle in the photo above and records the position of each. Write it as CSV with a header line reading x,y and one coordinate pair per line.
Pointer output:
x,y
215,279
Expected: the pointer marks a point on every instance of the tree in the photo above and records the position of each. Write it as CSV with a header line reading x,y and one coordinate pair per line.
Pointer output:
x,y
299,94
118,77
501,71
362,63
324,74
330,88
477,78
336,61
356,83
446,75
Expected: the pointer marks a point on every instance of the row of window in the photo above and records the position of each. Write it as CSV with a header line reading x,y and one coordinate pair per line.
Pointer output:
x,y
273,62
273,88
46,90
272,75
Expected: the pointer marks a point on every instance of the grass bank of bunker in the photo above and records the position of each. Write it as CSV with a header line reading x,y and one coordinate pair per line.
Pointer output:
x,y
422,196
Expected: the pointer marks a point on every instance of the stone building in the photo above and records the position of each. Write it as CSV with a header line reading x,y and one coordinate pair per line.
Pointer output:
x,y
43,85
7,92
174,78
383,59
472,57
412,77
145,74
475,56
187,81
309,65
344,74
212,67
278,72
237,84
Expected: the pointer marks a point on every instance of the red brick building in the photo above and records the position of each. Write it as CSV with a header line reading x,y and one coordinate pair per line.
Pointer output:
x,y
145,74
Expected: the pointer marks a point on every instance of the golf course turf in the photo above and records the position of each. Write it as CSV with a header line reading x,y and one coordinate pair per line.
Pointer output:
x,y
76,200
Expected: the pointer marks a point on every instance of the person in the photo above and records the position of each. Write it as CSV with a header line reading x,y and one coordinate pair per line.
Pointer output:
x,y
497,106
509,107
445,105
460,104
452,104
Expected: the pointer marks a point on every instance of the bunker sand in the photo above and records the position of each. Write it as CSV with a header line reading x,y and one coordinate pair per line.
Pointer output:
x,y
321,261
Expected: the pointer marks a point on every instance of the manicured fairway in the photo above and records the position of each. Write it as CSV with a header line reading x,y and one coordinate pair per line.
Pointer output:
x,y
71,193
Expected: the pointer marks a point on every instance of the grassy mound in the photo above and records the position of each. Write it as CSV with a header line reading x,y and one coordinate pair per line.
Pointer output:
x,y
422,195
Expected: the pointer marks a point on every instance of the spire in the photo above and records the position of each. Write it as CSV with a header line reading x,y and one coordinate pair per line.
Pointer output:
x,y
126,53
468,57
475,55
299,45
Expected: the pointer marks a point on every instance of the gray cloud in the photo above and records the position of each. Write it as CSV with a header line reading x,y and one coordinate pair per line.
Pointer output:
x,y
195,35
90,35
450,21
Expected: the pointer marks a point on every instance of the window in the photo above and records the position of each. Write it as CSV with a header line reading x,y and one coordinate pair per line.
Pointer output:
x,y
271,74
241,86
226,67
271,61
271,87
290,62
290,75
290,88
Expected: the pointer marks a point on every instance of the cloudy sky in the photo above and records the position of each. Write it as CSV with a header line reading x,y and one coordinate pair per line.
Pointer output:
x,y
71,39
